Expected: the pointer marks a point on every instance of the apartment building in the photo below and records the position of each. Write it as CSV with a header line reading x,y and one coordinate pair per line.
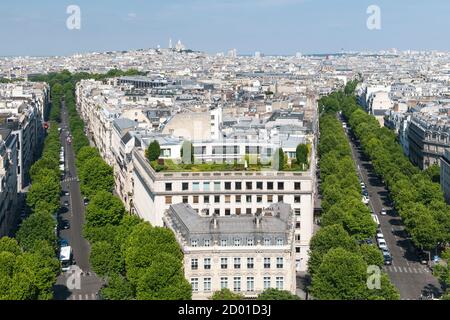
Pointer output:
x,y
8,180
445,174
246,254
226,194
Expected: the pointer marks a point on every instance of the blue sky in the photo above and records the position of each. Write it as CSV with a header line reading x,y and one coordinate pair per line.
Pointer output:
x,y
271,26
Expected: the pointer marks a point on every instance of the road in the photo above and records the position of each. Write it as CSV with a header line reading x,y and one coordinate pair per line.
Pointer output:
x,y
406,272
89,285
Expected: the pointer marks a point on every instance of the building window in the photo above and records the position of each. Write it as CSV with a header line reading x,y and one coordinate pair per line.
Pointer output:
x,y
206,242
297,237
223,242
223,263
280,198
280,242
296,199
195,199
238,185
266,283
237,284
297,212
269,185
227,199
279,262
248,185
194,264
194,242
237,242
216,199
248,198
196,186
238,211
297,249
227,212
206,199
280,185
185,199
280,283
297,225
217,186
248,211
250,263
217,212
269,198
207,284
237,263
259,185
250,284
297,185
258,199
223,282
168,186
250,242
206,186
227,185
185,186
238,199
266,263
207,263
168,200
267,241
194,284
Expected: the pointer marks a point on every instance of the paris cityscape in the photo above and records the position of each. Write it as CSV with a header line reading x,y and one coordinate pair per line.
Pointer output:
x,y
182,168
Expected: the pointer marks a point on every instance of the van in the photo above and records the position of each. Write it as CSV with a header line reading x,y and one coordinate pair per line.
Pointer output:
x,y
375,219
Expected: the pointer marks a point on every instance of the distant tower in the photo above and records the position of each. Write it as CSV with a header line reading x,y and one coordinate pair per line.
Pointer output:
x,y
257,54
170,43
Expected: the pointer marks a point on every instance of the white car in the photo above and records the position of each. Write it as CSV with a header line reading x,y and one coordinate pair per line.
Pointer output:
x,y
365,200
383,211
380,236
382,244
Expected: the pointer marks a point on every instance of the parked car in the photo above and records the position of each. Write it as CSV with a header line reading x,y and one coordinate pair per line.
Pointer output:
x,y
387,259
365,193
365,200
382,244
383,211
66,203
86,201
380,235
64,225
63,243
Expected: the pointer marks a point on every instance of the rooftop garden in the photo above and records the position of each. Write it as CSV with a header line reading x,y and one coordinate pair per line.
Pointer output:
x,y
248,163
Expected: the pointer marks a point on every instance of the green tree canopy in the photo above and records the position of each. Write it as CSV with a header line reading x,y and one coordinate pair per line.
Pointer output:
x,y
153,151
275,294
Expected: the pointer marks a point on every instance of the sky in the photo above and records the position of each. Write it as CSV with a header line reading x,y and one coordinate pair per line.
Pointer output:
x,y
38,28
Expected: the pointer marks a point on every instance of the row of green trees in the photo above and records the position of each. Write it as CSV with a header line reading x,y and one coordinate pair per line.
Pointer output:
x,y
268,294
138,261
28,264
416,195
339,260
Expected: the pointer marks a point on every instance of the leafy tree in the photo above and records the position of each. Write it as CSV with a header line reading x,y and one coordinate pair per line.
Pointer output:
x,y
37,227
118,288
10,245
86,153
278,159
371,255
46,189
226,294
187,152
302,153
153,151
106,259
104,208
275,294
95,176
341,276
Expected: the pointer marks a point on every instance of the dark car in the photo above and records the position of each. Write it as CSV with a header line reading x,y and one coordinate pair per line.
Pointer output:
x,y
423,256
365,193
63,243
64,225
86,201
66,203
387,258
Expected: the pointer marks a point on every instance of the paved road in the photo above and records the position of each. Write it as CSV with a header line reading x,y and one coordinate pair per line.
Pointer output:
x,y
74,213
406,271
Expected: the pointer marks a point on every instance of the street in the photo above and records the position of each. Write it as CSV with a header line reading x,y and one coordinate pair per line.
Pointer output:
x,y
406,272
89,284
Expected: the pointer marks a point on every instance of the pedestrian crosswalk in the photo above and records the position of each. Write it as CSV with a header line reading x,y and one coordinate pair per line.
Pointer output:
x,y
403,269
70,179
83,296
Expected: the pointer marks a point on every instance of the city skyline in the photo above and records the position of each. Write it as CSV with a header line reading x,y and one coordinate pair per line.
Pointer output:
x,y
217,26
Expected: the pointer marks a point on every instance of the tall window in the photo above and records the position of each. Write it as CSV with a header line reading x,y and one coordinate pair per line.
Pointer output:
x,y
194,264
250,241
238,185
168,200
250,263
279,283
266,263
248,185
206,186
227,185
223,242
267,241
206,199
194,242
207,242
266,283
196,186
194,284
237,263
217,186
280,242
223,263
207,284
250,284
223,282
237,284
269,185
279,262
259,185
207,263
168,186
185,186
280,185
237,242
297,186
